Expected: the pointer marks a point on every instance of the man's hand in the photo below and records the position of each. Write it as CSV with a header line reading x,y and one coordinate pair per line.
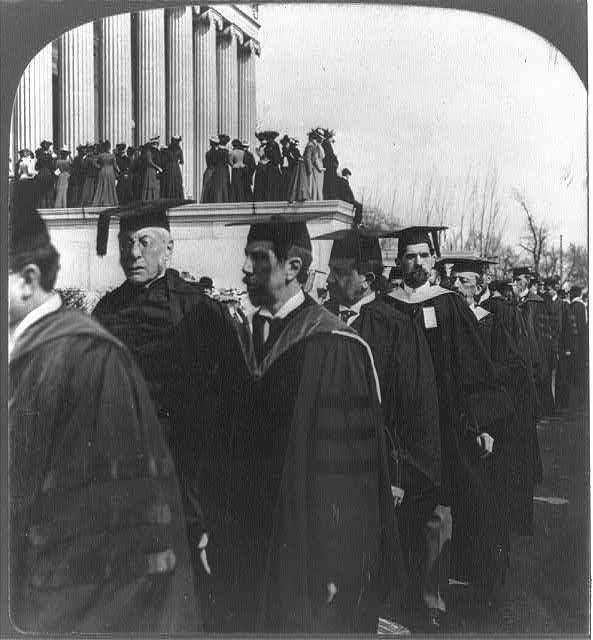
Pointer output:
x,y
331,591
398,495
486,443
203,556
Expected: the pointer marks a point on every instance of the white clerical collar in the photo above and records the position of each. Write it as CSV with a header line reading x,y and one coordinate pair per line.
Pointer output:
x,y
53,303
288,307
411,293
358,306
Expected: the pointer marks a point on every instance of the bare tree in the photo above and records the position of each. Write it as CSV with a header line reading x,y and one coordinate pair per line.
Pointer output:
x,y
577,264
536,236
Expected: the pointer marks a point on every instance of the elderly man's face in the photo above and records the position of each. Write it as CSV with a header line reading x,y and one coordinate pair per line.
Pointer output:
x,y
465,283
144,254
520,284
416,263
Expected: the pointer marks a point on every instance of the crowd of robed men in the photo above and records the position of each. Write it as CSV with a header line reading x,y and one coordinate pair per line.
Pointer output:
x,y
175,467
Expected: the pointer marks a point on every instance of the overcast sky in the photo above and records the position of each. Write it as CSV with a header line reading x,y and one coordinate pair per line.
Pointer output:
x,y
416,94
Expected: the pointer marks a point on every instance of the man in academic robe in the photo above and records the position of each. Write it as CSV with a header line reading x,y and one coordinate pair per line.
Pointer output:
x,y
317,529
581,354
515,463
410,403
97,536
472,408
344,193
534,313
553,305
187,347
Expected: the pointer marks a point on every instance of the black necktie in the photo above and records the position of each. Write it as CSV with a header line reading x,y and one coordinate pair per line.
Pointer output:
x,y
346,314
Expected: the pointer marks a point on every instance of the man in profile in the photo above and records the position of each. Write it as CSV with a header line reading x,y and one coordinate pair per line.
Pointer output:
x,y
97,537
317,528
344,192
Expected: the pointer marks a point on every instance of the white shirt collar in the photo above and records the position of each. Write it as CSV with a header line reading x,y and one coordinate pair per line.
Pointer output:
x,y
52,304
288,307
414,292
358,306
485,295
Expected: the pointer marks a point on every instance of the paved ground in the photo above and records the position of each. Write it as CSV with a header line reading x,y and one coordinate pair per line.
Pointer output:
x,y
548,586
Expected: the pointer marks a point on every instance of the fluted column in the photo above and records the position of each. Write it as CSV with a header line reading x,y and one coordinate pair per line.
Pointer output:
x,y
115,82
180,88
76,89
247,103
32,118
205,88
227,76
151,75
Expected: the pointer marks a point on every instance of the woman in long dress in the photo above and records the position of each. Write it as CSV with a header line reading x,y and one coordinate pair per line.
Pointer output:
x,y
124,187
171,178
45,166
330,162
298,182
63,167
151,189
239,169
217,186
105,194
90,167
268,179
313,158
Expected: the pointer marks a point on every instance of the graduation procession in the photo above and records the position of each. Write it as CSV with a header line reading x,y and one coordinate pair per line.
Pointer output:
x,y
181,463
297,320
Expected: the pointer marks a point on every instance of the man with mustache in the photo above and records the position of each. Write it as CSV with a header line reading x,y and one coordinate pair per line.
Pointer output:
x,y
317,526
465,377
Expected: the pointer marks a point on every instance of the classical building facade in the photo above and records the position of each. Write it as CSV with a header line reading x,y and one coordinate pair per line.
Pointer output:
x,y
187,71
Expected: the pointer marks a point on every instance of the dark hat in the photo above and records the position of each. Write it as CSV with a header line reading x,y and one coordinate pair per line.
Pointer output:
x,y
285,139
328,133
360,243
205,282
268,135
465,261
284,230
236,143
45,144
346,172
27,229
419,234
154,139
223,139
120,145
134,216
523,271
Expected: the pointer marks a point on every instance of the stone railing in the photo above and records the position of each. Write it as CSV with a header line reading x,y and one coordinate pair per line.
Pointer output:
x,y
204,244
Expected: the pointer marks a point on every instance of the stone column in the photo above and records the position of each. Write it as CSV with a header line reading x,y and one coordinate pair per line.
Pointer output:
x,y
76,88
115,82
180,88
205,88
227,80
151,75
247,103
32,114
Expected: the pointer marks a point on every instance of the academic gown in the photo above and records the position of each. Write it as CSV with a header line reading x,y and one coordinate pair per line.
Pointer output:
x,y
471,401
97,540
188,350
313,483
520,461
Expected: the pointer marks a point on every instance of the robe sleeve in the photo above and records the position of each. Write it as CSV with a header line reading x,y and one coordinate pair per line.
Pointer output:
x,y
348,478
104,540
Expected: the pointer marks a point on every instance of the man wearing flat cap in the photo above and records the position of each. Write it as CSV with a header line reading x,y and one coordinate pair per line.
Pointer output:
x,y
97,534
187,348
317,523
465,377
408,389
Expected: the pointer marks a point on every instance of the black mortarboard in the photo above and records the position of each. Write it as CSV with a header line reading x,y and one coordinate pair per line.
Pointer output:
x,y
418,234
27,229
284,230
360,244
134,216
523,271
465,261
